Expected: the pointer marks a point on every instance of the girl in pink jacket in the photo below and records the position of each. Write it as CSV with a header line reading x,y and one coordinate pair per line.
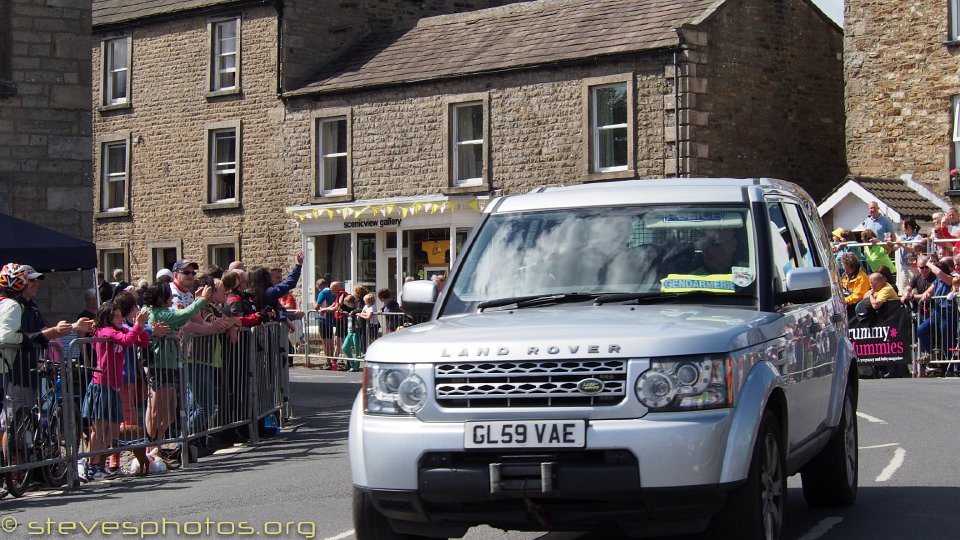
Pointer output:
x,y
101,404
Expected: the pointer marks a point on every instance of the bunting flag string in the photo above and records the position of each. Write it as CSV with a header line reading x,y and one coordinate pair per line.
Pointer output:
x,y
404,210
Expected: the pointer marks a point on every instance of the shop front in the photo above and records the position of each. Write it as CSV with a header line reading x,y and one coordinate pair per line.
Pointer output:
x,y
380,243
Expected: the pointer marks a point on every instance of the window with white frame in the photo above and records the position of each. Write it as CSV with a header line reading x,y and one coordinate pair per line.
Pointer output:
x,y
608,106
955,133
116,71
332,156
163,257
225,50
954,20
223,165
467,144
112,259
113,180
221,254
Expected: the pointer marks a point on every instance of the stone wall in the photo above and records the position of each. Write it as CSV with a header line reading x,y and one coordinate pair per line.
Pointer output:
x,y
312,36
767,85
45,129
167,124
536,129
900,78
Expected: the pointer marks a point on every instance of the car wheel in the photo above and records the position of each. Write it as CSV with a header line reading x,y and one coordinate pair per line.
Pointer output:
x,y
755,510
370,524
830,479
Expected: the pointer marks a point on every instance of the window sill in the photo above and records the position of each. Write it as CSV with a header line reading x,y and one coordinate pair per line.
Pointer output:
x,y
221,93
112,214
222,205
953,193
952,43
628,173
115,107
475,188
331,199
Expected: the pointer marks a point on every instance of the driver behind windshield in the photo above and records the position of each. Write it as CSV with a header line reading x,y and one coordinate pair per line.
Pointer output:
x,y
720,269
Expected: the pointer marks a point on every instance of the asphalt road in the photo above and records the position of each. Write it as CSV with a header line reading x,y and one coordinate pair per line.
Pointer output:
x,y
298,486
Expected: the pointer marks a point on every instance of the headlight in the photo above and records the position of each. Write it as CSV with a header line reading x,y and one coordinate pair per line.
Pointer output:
x,y
683,384
392,389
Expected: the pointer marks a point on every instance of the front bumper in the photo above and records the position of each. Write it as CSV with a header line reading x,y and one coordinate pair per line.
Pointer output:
x,y
669,450
659,474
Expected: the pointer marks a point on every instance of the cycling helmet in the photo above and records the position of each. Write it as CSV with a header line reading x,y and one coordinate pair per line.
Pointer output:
x,y
14,277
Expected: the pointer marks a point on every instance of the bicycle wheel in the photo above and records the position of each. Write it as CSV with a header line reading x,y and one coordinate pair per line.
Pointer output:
x,y
54,446
19,451
3,479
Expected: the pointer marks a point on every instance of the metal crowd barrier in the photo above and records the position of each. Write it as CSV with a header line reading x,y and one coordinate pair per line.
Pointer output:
x,y
36,433
341,344
171,393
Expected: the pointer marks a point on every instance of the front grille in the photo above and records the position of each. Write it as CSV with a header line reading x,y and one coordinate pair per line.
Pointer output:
x,y
529,384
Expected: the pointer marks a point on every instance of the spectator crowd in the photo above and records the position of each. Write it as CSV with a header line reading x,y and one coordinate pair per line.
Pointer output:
x,y
879,262
131,389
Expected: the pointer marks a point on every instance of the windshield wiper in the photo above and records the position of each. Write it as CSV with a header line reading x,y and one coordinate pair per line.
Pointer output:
x,y
537,300
644,297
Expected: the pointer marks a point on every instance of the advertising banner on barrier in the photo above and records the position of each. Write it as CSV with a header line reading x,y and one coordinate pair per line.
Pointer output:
x,y
883,336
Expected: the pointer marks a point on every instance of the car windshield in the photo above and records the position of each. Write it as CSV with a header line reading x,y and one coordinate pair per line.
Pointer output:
x,y
640,251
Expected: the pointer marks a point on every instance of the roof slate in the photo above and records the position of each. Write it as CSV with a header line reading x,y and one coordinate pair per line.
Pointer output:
x,y
512,36
899,196
107,12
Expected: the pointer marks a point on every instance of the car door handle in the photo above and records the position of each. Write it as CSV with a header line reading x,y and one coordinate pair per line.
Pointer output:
x,y
814,328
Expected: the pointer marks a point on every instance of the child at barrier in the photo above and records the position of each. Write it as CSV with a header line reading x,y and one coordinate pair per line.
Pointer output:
x,y
134,390
101,403
368,317
163,366
351,343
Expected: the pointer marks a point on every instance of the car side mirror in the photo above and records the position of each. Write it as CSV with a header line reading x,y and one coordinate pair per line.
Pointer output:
x,y
805,285
419,297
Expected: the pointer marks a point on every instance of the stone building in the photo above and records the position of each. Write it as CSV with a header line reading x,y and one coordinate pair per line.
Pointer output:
x,y
240,132
903,90
45,131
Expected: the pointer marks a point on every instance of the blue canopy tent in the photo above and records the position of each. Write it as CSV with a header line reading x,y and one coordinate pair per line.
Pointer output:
x,y
43,249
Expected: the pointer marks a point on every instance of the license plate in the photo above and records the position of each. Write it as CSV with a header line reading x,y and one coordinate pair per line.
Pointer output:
x,y
526,434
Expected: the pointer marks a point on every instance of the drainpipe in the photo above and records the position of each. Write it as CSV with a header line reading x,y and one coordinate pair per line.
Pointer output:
x,y
278,5
676,111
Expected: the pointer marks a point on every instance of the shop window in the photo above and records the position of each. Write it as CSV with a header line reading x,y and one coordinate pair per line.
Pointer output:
x,y
332,257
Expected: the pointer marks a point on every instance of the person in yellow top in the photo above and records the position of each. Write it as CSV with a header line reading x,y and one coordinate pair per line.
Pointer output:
x,y
855,280
880,291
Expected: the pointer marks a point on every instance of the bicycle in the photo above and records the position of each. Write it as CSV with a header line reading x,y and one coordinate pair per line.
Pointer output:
x,y
38,434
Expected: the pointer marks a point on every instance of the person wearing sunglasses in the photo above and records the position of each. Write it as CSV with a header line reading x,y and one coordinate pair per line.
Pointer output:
x,y
184,276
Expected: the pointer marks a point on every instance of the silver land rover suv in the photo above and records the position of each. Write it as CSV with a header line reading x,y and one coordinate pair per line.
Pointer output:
x,y
653,356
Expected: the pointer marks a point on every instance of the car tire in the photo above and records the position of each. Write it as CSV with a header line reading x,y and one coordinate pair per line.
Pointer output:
x,y
755,510
830,479
370,524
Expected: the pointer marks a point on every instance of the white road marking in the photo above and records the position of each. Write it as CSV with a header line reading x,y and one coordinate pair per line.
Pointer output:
x,y
821,528
869,418
341,536
879,446
892,467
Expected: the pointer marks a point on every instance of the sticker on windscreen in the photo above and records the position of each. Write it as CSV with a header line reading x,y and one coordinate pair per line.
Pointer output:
x,y
742,276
